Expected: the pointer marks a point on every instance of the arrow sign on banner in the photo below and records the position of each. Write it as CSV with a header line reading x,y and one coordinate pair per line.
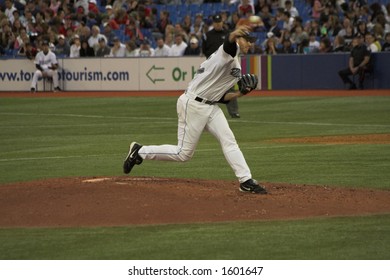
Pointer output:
x,y
149,72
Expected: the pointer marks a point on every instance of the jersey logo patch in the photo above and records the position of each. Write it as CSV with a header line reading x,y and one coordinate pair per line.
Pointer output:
x,y
200,70
235,72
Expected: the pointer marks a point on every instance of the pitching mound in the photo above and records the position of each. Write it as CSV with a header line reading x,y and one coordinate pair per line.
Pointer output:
x,y
116,201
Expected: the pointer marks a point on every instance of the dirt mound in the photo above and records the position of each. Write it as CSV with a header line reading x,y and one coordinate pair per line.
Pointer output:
x,y
116,201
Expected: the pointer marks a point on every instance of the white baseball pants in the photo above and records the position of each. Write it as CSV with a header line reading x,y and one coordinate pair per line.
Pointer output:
x,y
48,73
194,118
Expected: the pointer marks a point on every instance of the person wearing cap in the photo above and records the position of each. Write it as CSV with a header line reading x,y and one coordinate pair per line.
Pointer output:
x,y
193,48
62,48
75,47
103,50
47,65
198,111
211,41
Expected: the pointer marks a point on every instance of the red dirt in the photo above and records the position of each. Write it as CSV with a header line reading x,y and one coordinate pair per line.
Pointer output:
x,y
117,201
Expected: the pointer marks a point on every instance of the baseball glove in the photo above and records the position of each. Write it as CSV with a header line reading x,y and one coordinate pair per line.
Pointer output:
x,y
247,83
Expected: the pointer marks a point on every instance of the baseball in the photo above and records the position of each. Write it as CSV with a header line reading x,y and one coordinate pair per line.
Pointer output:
x,y
254,19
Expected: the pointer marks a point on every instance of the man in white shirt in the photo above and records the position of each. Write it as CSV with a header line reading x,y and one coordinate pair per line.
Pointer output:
x,y
47,65
162,49
179,47
9,10
118,49
93,40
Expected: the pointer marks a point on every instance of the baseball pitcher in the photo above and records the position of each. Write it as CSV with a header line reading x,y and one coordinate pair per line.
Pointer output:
x,y
198,111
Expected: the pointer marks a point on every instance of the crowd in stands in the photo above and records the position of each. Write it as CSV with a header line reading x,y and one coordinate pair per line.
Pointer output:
x,y
126,28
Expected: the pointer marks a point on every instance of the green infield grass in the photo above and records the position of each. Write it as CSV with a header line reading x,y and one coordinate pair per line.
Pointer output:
x,y
65,137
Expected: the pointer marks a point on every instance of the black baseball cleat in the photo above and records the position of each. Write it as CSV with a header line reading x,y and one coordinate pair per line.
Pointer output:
x,y
132,158
251,186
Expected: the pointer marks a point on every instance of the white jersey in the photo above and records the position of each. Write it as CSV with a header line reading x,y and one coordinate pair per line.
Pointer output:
x,y
45,60
216,75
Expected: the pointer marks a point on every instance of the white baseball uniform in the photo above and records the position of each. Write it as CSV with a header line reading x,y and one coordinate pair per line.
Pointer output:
x,y
198,111
45,61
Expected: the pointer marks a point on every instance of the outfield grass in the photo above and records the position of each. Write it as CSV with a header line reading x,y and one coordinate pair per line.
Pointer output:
x,y
63,137
319,239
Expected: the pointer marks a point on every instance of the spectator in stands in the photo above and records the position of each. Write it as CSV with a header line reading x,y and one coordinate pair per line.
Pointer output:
x,y
314,45
84,32
109,12
348,36
260,4
372,43
358,64
169,39
178,28
333,27
288,6
234,19
266,16
193,48
245,8
121,17
118,49
7,38
346,26
339,44
81,7
86,50
62,48
46,64
28,50
75,47
21,38
317,8
92,7
103,50
9,10
270,46
163,22
298,35
325,45
288,21
108,32
361,28
131,49
286,47
187,23
386,45
179,46
162,49
93,40
145,50
197,26
274,27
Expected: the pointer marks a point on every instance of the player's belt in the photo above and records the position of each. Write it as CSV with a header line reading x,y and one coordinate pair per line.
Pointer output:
x,y
201,100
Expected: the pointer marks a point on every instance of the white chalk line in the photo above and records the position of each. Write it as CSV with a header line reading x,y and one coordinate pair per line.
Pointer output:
x,y
124,154
174,119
